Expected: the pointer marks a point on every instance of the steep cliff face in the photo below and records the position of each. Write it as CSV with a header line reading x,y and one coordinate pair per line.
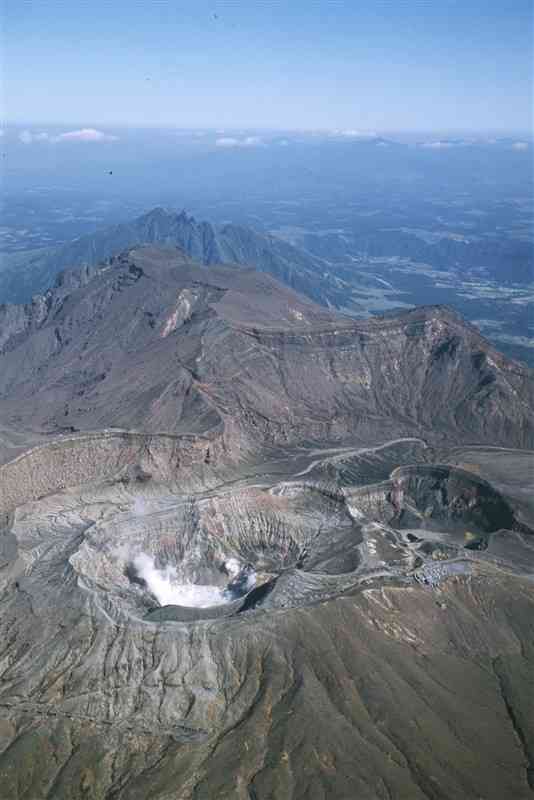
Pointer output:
x,y
155,343
246,552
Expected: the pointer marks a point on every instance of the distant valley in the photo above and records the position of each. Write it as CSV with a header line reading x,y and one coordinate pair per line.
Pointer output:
x,y
359,276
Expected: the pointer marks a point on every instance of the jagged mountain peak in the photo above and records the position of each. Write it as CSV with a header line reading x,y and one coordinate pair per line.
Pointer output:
x,y
155,341
204,242
169,215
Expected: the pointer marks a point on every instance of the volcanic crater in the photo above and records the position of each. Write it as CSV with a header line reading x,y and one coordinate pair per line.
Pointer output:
x,y
253,548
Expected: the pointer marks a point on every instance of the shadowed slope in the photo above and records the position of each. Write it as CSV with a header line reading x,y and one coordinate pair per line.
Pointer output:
x,y
156,343
202,241
296,466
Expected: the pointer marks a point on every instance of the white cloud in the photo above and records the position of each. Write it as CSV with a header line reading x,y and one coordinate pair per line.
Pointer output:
x,y
227,141
437,145
252,141
355,134
248,141
28,137
520,146
186,133
85,135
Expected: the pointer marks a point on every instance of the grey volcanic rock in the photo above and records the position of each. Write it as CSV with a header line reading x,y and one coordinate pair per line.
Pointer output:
x,y
388,675
154,344
250,548
205,243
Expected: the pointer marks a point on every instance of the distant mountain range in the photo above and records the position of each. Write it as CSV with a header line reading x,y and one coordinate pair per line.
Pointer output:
x,y
330,268
26,274
506,260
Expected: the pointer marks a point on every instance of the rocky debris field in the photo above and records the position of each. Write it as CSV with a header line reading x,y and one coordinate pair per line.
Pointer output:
x,y
253,549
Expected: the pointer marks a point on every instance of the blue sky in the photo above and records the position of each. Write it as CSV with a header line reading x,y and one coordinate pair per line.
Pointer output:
x,y
379,65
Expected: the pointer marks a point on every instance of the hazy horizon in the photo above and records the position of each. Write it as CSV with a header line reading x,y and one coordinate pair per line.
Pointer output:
x,y
7,124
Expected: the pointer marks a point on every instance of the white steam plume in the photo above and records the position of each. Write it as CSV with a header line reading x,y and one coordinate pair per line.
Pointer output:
x,y
164,585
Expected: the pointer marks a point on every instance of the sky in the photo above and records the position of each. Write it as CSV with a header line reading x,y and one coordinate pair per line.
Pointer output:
x,y
291,64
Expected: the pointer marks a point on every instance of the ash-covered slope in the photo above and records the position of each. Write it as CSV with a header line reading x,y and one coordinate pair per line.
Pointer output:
x,y
184,433
156,343
202,241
